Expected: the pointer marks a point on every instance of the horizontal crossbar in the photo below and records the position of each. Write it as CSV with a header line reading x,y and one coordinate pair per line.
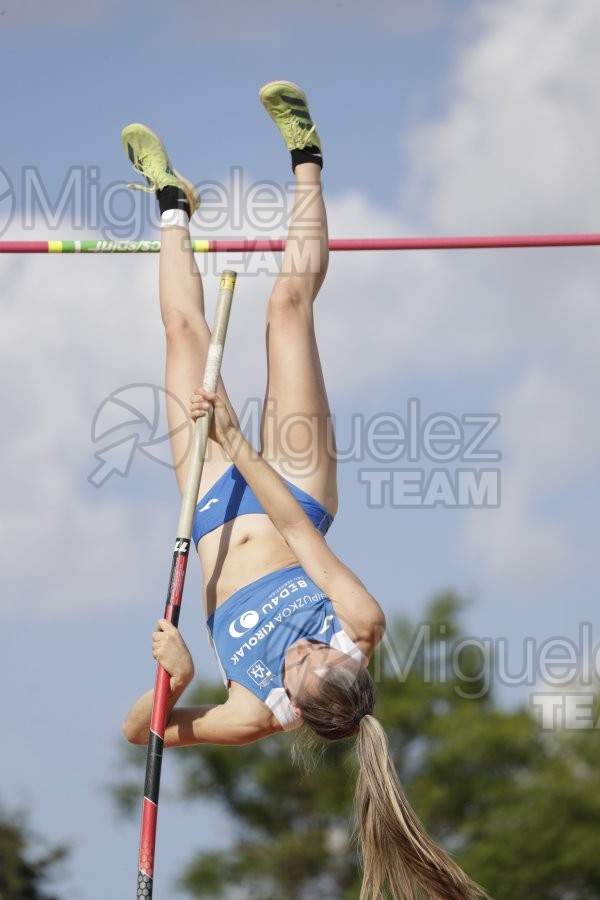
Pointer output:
x,y
484,242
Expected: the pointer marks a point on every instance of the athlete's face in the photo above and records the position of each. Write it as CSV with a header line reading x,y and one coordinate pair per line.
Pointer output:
x,y
305,664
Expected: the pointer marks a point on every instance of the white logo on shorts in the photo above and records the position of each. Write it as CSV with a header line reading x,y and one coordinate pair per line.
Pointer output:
x,y
209,504
245,622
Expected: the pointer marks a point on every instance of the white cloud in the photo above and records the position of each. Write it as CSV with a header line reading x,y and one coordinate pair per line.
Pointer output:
x,y
551,418
517,145
516,151
553,444
516,546
68,328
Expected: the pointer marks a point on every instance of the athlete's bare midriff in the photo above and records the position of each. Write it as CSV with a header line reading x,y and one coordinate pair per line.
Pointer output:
x,y
237,553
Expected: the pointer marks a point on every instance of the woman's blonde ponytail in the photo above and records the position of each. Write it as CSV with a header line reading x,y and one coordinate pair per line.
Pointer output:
x,y
398,854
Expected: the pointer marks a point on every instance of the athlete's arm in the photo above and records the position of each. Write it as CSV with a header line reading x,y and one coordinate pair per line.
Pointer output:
x,y
354,605
230,723
358,611
271,491
170,650
240,720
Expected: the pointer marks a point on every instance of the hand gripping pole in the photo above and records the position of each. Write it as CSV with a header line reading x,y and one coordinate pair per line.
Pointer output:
x,y
175,591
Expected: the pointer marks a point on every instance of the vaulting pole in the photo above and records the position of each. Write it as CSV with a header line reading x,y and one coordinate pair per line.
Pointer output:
x,y
174,594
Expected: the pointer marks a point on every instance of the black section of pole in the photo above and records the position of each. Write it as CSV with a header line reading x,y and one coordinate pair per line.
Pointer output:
x,y
153,767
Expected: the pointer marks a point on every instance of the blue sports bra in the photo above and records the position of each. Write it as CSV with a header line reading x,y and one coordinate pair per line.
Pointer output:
x,y
231,496
252,631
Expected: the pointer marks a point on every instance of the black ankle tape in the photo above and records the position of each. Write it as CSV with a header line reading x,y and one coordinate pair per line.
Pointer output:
x,y
172,197
310,154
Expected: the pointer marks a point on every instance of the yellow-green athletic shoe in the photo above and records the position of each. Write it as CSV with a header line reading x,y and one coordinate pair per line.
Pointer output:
x,y
287,105
149,157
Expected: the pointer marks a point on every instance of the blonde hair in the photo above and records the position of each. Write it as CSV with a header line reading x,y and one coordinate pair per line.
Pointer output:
x,y
397,853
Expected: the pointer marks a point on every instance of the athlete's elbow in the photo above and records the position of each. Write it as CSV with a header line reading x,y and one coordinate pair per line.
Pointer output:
x,y
302,538
134,734
379,627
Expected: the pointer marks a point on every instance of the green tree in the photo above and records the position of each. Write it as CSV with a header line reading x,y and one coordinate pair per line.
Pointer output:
x,y
24,873
518,807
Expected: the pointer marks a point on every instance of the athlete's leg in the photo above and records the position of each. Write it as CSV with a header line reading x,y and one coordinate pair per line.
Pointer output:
x,y
181,297
297,431
187,337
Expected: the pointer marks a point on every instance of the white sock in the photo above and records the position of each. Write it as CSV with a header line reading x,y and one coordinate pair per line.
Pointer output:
x,y
172,217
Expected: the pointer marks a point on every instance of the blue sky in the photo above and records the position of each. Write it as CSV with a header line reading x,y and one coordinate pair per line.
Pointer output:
x,y
436,118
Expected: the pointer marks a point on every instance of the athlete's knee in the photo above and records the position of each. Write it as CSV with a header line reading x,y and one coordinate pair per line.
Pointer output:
x,y
292,298
180,325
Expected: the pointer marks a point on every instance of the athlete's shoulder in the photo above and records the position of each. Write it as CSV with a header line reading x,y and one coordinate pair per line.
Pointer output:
x,y
251,710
